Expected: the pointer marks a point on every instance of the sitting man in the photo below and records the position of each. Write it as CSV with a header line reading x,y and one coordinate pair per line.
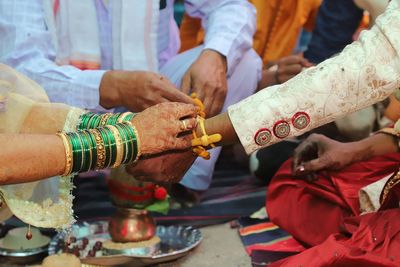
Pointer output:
x,y
104,54
341,183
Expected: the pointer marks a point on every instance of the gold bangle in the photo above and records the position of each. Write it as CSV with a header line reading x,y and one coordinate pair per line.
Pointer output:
x,y
104,119
101,153
139,151
68,154
118,142
122,117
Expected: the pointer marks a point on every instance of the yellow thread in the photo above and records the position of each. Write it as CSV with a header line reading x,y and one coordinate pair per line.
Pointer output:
x,y
199,143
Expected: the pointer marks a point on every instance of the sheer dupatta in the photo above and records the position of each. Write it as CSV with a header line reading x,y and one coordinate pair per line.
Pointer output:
x,y
46,203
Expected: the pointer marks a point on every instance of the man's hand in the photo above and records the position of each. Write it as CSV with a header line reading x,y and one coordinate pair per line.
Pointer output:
x,y
165,168
207,78
288,67
138,90
319,152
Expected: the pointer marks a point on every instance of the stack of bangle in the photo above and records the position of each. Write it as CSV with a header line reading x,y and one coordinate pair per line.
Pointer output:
x,y
99,148
92,120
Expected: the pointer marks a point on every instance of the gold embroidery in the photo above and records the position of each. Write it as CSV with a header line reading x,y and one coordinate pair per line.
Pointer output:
x,y
393,181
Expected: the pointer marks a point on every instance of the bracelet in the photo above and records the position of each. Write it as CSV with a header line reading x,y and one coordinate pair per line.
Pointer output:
x,y
136,140
101,154
68,154
199,144
119,146
92,120
102,147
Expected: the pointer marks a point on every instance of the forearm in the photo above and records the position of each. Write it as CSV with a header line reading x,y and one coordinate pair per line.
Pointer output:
x,y
375,145
27,158
318,95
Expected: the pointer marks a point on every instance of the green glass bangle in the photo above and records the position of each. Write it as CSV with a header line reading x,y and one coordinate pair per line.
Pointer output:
x,y
90,121
130,117
84,120
129,145
86,152
76,152
134,141
125,142
113,119
92,141
130,142
96,122
113,146
82,150
89,160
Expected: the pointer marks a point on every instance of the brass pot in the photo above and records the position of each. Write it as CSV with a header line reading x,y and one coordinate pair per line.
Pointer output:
x,y
131,225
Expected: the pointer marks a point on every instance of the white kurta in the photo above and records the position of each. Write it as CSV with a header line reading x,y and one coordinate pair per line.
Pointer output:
x,y
366,72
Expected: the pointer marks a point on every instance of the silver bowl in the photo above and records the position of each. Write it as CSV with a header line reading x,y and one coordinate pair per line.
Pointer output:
x,y
176,241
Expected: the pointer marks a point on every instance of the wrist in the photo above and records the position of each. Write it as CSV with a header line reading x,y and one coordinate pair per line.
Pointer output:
x,y
216,54
361,150
109,93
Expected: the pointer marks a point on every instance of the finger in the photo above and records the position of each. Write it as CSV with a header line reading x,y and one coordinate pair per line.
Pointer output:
x,y
311,177
185,110
189,124
301,154
185,126
198,88
208,104
314,165
285,78
183,142
290,60
305,63
186,84
291,69
173,94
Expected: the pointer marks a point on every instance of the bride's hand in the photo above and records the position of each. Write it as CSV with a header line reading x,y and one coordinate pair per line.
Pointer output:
x,y
159,126
165,168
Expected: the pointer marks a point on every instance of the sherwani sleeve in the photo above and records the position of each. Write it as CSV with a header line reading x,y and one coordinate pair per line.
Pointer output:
x,y
366,72
26,45
229,26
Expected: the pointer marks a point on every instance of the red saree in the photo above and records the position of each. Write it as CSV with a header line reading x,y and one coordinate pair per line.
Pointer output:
x,y
325,214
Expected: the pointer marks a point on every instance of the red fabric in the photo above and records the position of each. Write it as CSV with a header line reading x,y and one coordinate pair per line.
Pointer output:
x,y
374,241
312,211
325,213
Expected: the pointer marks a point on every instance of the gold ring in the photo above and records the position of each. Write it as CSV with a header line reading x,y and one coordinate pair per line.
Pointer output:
x,y
184,126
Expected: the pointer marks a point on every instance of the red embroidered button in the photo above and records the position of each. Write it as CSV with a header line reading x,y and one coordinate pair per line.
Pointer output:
x,y
262,137
300,120
281,129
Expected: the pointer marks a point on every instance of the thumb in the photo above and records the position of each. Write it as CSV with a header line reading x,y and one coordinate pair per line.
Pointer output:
x,y
186,83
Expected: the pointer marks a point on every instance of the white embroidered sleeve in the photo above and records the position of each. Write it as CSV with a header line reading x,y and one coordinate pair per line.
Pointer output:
x,y
366,72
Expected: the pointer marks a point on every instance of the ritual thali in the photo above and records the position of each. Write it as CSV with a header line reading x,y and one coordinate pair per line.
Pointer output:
x,y
176,241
